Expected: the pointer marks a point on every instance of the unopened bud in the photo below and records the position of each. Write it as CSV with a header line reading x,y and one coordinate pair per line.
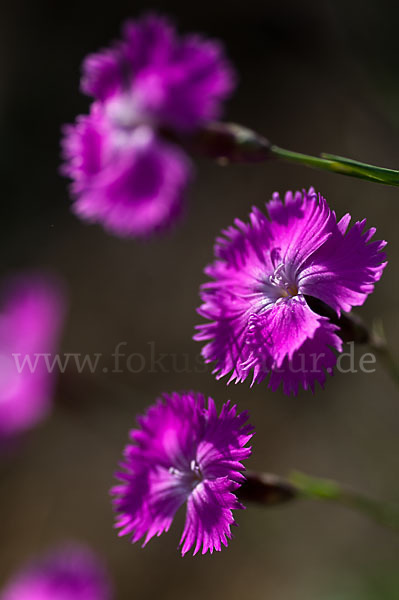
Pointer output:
x,y
266,489
229,142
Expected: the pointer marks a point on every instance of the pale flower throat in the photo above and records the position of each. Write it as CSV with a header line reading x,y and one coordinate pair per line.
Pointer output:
x,y
281,277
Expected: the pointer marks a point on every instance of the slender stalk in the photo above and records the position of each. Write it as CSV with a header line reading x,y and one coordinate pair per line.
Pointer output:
x,y
339,164
378,343
230,142
385,355
304,159
331,491
268,490
353,329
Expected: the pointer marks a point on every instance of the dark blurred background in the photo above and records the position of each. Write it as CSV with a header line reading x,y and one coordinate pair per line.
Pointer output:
x,y
314,76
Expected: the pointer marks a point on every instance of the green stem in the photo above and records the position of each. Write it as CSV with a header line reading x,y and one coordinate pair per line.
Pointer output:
x,y
339,164
267,489
385,355
324,489
378,343
230,142
303,159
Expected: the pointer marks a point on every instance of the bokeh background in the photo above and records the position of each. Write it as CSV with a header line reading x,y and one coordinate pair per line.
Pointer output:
x,y
314,76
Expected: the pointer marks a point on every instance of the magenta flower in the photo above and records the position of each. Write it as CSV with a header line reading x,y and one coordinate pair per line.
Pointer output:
x,y
154,76
183,452
260,320
149,88
30,322
132,183
68,573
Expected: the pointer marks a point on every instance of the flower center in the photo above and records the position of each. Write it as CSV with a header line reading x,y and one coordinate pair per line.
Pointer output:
x,y
192,476
123,112
281,277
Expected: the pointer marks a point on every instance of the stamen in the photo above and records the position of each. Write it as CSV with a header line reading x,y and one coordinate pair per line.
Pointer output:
x,y
195,469
279,278
175,472
191,476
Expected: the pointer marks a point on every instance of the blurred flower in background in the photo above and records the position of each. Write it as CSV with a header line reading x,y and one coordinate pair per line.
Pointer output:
x,y
134,187
31,316
264,274
150,90
71,572
183,452
153,76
